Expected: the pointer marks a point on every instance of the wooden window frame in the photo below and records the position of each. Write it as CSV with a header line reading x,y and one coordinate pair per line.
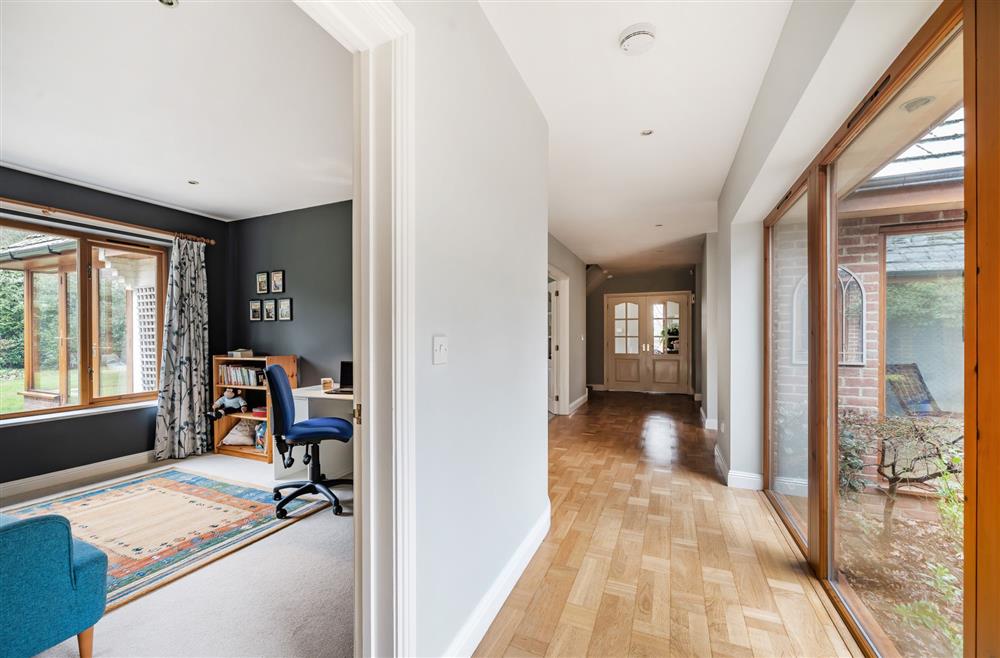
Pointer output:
x,y
85,242
979,21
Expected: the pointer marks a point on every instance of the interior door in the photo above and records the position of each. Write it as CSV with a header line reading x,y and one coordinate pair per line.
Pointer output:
x,y
624,344
553,349
666,344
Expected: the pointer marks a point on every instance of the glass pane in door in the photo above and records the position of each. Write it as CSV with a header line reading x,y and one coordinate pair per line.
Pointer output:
x,y
898,543
626,328
789,367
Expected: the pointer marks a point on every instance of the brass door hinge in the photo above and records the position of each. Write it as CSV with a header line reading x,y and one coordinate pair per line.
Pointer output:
x,y
357,413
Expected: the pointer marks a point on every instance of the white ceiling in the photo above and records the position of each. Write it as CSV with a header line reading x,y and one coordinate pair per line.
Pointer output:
x,y
609,186
252,99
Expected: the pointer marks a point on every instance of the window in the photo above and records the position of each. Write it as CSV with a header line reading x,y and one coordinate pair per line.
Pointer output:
x,y
850,316
626,328
53,355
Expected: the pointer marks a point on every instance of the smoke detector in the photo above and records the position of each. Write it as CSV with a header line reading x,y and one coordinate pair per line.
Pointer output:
x,y
637,39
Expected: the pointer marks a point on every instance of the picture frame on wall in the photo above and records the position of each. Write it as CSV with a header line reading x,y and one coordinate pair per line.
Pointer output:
x,y
255,310
262,283
285,309
277,281
269,310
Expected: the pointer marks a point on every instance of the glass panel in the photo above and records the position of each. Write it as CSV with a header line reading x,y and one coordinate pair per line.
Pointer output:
x,y
633,345
659,345
619,327
39,321
633,328
125,314
898,540
658,310
620,311
632,311
619,346
673,345
673,310
789,380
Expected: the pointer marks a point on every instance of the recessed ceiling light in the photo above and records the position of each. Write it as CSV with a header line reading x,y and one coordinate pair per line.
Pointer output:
x,y
637,39
194,182
657,225
646,133
169,3
915,104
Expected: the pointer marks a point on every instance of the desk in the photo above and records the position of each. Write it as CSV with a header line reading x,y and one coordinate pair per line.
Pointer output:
x,y
336,458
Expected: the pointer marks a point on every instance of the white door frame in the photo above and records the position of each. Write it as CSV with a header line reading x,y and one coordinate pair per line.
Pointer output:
x,y
382,41
606,353
561,331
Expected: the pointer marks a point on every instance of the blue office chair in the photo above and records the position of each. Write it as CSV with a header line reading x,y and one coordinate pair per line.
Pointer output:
x,y
308,433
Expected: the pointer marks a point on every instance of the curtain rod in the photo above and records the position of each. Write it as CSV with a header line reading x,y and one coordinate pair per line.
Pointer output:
x,y
58,213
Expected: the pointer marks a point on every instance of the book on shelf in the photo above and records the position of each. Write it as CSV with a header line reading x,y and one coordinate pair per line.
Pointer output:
x,y
241,376
259,412
241,353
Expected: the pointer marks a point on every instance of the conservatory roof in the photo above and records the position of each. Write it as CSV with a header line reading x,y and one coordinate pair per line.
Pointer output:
x,y
35,246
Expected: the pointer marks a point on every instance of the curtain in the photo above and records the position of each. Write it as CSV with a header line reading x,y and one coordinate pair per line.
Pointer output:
x,y
181,425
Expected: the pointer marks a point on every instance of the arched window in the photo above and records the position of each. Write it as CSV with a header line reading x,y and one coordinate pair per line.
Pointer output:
x,y
850,315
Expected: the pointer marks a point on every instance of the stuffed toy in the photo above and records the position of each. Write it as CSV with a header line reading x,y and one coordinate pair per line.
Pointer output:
x,y
231,402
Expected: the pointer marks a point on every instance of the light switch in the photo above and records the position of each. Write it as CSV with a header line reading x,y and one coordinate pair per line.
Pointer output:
x,y
439,353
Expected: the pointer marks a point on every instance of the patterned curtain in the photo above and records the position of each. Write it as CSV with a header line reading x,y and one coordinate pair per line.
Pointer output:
x,y
181,424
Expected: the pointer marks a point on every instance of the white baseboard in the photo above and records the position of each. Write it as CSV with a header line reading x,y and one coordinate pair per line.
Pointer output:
x,y
708,423
798,487
579,402
475,627
736,479
697,397
599,387
70,476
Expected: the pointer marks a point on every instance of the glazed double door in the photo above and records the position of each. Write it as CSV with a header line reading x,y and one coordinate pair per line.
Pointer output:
x,y
647,342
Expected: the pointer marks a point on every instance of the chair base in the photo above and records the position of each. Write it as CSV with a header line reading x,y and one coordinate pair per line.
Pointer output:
x,y
316,484
304,487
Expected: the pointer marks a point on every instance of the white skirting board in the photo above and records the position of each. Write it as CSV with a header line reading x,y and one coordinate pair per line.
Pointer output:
x,y
579,402
736,479
709,423
475,627
76,474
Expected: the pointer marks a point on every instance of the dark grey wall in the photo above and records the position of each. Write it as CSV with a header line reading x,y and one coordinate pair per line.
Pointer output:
x,y
313,246
33,449
664,280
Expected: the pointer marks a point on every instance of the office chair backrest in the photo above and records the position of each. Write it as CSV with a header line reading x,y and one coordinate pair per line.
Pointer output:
x,y
282,404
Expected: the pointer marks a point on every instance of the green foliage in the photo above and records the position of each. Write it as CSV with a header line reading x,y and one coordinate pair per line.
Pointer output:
x,y
853,449
11,319
926,303
928,613
951,500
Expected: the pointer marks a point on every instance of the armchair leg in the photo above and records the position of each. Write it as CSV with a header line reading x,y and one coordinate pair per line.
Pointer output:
x,y
85,641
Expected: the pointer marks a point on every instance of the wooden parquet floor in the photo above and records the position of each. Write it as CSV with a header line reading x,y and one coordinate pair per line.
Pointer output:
x,y
650,555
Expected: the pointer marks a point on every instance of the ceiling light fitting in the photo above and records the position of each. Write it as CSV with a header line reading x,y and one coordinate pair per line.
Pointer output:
x,y
168,3
646,133
915,104
637,39
194,182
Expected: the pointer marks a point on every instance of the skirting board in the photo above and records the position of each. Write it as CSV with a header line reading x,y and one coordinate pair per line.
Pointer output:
x,y
736,479
708,423
76,474
475,627
599,387
697,397
579,402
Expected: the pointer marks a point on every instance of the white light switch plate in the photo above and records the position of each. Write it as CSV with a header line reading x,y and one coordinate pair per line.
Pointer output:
x,y
439,352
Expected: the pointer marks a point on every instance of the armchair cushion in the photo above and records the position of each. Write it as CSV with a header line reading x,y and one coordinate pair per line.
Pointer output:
x,y
52,586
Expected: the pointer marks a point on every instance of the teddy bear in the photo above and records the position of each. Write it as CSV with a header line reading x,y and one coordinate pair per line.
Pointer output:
x,y
230,402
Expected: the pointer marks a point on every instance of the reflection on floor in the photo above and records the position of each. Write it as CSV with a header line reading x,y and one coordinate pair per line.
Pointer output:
x,y
289,594
650,555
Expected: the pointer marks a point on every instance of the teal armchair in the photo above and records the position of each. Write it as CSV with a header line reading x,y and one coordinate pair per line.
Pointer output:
x,y
52,586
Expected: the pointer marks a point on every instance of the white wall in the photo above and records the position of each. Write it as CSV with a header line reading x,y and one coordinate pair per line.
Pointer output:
x,y
481,254
564,259
707,305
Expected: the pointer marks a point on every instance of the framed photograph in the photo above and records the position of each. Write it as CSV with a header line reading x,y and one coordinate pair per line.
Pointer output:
x,y
261,283
285,308
268,310
254,310
277,281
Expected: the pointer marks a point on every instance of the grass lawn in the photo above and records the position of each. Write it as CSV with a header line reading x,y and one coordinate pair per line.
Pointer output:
x,y
12,383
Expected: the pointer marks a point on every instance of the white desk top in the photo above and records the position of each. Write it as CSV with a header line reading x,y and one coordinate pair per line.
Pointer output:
x,y
316,393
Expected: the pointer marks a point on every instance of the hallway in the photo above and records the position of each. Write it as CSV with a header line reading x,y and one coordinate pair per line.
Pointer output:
x,y
650,555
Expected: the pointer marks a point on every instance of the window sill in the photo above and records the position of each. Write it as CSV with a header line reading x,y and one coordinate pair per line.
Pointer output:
x,y
65,415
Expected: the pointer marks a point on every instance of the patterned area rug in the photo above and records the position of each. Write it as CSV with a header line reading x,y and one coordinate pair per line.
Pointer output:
x,y
161,525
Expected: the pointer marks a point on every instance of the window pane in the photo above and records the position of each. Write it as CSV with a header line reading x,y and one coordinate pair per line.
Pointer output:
x,y
898,527
39,321
673,345
789,413
633,345
619,346
658,310
125,321
619,327
632,311
633,327
620,311
673,310
659,345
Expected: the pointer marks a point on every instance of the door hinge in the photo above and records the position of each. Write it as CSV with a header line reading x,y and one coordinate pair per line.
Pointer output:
x,y
557,348
557,293
357,413
90,271
90,373
557,398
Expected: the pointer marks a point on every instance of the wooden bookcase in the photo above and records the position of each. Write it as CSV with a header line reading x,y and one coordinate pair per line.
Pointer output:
x,y
255,396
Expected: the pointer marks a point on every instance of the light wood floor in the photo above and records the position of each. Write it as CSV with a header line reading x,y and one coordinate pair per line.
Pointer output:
x,y
650,555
